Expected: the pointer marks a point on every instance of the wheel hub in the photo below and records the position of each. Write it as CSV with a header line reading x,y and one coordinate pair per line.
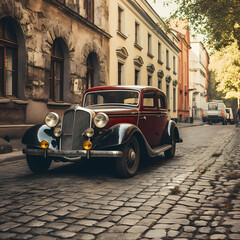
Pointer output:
x,y
132,156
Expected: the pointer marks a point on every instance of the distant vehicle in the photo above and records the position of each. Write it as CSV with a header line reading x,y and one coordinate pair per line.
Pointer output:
x,y
214,112
230,117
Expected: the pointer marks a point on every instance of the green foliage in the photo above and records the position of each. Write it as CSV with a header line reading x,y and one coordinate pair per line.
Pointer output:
x,y
217,20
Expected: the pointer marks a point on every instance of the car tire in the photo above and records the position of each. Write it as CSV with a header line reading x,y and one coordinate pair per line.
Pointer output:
x,y
38,164
128,164
170,153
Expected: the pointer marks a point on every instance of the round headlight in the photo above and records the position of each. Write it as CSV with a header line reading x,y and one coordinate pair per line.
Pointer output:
x,y
89,132
52,119
101,120
57,131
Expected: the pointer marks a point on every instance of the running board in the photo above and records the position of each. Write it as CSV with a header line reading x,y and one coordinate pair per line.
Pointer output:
x,y
162,148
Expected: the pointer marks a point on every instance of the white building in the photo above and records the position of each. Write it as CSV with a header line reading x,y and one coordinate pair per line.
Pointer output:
x,y
198,81
141,53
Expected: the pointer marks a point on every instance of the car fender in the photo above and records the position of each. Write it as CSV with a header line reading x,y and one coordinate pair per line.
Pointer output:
x,y
172,126
115,136
34,135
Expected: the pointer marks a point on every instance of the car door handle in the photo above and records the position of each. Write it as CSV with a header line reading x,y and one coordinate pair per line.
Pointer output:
x,y
143,118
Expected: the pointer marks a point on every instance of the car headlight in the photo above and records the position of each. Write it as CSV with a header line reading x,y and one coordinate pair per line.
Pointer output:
x,y
52,119
101,120
57,131
89,132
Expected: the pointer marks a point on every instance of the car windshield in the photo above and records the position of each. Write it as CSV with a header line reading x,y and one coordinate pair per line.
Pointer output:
x,y
112,97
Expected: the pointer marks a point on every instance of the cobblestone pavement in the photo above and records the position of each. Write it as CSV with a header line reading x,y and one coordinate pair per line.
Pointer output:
x,y
194,196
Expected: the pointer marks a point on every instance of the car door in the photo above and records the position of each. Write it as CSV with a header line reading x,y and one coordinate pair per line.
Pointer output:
x,y
162,115
148,118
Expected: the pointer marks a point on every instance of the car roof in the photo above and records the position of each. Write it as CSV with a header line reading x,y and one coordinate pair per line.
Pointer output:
x,y
123,87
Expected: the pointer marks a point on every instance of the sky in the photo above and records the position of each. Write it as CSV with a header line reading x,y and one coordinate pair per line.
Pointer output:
x,y
160,7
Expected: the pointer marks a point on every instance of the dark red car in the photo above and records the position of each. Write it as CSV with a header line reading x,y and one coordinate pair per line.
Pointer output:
x,y
121,122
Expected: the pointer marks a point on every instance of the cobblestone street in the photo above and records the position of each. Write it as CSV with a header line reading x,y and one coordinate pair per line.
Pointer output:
x,y
193,196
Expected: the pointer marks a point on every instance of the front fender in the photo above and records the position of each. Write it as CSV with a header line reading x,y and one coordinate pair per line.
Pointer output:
x,y
115,136
34,135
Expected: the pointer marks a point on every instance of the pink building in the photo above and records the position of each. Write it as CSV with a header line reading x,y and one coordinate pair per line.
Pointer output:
x,y
182,32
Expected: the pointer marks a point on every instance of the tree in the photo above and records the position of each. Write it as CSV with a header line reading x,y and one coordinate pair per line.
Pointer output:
x,y
217,20
226,66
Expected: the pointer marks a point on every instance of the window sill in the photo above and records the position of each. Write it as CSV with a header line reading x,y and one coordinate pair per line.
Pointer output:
x,y
17,101
150,55
60,104
122,35
160,62
138,46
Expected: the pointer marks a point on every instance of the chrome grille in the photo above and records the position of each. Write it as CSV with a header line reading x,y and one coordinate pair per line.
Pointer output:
x,y
75,122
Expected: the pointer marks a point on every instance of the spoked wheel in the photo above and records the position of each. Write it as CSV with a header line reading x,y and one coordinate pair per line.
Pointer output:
x,y
170,153
38,164
127,165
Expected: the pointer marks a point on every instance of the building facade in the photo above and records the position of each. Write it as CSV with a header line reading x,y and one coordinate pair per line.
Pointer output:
x,y
50,52
181,29
198,67
141,53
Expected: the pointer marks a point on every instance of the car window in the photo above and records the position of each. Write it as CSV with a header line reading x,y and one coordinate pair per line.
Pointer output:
x,y
113,97
161,102
212,106
149,100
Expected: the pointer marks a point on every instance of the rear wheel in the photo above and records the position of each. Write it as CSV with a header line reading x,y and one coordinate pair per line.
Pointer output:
x,y
127,165
170,153
38,164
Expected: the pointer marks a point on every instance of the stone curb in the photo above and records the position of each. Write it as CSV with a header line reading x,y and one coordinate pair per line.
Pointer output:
x,y
13,156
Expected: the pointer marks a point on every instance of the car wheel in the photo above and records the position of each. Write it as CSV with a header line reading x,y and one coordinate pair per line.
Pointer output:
x,y
127,165
170,153
38,164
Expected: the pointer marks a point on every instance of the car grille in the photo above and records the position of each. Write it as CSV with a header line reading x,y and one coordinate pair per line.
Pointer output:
x,y
75,122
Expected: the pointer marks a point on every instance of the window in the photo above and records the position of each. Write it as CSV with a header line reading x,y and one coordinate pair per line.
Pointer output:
x,y
167,60
89,7
120,20
57,66
150,43
161,102
8,59
159,83
120,69
160,53
137,33
149,100
168,97
174,64
137,82
149,80
174,99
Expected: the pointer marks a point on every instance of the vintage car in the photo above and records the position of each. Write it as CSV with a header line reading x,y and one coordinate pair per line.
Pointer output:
x,y
121,122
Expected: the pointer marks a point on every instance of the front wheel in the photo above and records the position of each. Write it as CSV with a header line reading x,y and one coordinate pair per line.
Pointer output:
x,y
38,164
127,165
170,153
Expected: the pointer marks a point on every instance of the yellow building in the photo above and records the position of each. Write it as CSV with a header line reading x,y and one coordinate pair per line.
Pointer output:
x,y
141,53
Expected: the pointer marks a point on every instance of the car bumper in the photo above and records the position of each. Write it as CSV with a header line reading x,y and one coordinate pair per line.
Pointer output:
x,y
72,155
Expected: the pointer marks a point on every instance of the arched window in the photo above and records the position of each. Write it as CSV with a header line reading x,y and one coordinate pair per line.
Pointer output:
x,y
56,77
92,70
8,59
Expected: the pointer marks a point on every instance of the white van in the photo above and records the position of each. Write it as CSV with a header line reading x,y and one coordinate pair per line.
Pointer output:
x,y
214,112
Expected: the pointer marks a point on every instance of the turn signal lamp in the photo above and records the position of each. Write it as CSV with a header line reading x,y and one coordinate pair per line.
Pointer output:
x,y
87,145
222,112
203,112
44,144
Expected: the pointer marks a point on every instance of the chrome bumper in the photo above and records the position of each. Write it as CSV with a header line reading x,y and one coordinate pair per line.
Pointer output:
x,y
72,155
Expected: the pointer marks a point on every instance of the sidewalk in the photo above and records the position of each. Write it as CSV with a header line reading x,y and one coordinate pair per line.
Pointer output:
x,y
17,146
